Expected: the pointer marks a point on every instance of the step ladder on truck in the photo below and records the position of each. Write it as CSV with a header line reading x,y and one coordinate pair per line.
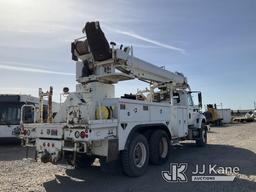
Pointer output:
x,y
137,128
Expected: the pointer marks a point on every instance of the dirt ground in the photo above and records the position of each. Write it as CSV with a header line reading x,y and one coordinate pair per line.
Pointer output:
x,y
232,145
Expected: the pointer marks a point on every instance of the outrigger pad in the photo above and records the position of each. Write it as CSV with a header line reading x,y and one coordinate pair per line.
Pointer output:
x,y
97,41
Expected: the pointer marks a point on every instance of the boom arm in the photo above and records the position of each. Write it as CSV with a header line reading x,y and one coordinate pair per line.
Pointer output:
x,y
146,71
102,61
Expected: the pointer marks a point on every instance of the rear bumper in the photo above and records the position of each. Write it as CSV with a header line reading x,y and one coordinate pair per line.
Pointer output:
x,y
49,150
95,130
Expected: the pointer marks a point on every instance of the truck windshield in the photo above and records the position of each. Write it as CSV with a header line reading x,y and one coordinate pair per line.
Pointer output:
x,y
190,100
9,113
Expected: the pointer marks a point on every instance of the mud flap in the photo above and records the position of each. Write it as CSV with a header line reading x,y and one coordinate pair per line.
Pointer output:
x,y
113,152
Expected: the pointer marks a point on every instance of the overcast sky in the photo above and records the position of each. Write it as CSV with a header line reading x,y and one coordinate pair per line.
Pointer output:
x,y
212,42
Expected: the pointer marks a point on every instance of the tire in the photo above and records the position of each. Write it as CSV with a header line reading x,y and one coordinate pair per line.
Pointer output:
x,y
159,147
202,141
136,157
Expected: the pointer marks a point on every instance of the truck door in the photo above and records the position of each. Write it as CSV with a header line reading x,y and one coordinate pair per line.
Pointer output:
x,y
181,115
192,111
182,124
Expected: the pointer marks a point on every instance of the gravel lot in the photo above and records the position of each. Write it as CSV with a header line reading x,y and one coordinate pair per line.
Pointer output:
x,y
233,145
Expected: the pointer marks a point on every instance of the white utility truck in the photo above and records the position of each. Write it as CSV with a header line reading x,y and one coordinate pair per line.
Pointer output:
x,y
137,128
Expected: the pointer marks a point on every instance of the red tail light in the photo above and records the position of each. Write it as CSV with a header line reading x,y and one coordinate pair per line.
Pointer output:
x,y
25,132
82,134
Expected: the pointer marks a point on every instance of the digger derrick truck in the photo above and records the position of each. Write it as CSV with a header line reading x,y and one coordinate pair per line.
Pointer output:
x,y
137,128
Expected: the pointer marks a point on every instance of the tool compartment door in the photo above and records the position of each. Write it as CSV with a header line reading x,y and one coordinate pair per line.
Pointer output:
x,y
182,123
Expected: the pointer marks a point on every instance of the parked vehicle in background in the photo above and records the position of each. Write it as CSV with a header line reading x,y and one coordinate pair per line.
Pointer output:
x,y
212,115
10,113
225,115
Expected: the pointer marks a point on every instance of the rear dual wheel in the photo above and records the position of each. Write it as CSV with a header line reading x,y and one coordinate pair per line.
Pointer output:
x,y
136,157
140,151
159,146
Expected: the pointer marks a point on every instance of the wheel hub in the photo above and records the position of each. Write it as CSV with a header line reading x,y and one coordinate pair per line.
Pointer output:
x,y
139,154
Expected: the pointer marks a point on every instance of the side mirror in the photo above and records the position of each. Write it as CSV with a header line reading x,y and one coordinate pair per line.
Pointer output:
x,y
200,103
